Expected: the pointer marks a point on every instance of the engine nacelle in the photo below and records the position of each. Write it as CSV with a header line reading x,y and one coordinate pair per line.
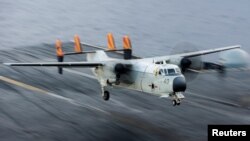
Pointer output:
x,y
120,68
184,63
175,61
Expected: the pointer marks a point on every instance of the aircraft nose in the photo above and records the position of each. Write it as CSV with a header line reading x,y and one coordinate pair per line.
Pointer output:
x,y
179,84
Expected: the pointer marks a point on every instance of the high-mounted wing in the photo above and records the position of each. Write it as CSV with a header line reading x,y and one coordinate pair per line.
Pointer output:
x,y
58,64
194,54
209,51
186,61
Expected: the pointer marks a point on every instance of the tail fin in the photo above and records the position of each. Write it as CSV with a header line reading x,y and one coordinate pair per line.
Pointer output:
x,y
127,47
111,42
59,54
77,42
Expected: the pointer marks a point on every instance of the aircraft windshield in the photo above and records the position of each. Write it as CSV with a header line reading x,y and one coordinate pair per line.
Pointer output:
x,y
172,71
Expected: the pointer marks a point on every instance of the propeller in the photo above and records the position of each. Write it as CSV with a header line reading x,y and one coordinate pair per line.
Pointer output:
x,y
121,72
236,58
188,65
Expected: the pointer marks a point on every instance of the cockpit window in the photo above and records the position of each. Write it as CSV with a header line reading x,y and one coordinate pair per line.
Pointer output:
x,y
159,62
165,71
161,72
178,70
171,71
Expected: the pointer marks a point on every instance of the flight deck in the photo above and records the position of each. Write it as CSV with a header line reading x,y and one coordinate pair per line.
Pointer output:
x,y
37,103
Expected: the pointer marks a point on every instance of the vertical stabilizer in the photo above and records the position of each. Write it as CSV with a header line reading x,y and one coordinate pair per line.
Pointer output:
x,y
127,47
59,54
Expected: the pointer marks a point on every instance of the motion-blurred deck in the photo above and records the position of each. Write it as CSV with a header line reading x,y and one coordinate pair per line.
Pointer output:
x,y
39,104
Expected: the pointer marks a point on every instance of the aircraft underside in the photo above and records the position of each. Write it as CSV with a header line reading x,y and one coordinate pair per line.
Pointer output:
x,y
139,81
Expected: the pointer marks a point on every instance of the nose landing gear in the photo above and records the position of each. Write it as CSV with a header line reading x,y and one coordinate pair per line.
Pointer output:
x,y
176,102
177,97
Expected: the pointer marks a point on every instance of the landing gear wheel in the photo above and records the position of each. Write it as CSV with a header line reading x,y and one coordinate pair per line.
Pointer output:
x,y
176,102
105,95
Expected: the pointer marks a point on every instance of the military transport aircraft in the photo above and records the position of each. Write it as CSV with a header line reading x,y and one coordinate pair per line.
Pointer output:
x,y
162,75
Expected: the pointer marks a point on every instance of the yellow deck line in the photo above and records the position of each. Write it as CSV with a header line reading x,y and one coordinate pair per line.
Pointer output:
x,y
29,87
23,85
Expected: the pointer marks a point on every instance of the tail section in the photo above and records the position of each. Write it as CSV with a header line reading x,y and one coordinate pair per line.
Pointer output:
x,y
127,47
111,42
95,55
59,54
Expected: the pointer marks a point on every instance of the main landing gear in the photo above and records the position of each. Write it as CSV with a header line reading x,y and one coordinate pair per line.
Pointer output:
x,y
110,82
105,95
115,81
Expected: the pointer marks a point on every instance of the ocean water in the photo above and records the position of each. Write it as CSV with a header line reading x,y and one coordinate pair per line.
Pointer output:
x,y
154,27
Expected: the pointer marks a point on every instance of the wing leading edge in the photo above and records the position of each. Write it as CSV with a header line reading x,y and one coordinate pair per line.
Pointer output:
x,y
196,53
209,51
58,64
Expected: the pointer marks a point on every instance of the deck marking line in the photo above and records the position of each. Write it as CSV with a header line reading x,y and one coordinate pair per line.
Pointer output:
x,y
29,87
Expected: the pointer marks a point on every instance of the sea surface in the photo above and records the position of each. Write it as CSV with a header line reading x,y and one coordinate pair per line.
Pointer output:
x,y
155,27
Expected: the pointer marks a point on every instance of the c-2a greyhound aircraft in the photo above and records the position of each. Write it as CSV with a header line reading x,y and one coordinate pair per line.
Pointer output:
x,y
161,76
